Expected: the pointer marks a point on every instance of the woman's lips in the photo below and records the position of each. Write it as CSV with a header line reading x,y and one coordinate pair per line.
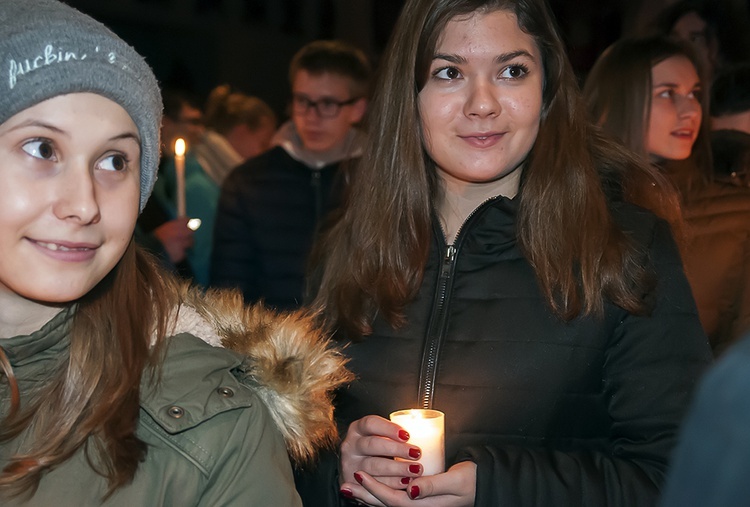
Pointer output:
x,y
483,140
686,134
65,250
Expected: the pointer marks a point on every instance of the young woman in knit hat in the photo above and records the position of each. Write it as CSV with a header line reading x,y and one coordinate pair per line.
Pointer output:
x,y
110,390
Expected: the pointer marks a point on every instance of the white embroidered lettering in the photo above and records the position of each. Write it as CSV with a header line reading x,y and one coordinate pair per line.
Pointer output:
x,y
49,56
12,74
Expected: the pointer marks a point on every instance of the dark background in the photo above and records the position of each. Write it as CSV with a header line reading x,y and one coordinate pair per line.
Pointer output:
x,y
198,44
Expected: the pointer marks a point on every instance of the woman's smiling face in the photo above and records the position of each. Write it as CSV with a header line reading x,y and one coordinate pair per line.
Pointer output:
x,y
481,105
71,180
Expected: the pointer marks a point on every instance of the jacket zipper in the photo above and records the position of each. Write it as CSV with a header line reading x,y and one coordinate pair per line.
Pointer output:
x,y
437,329
439,317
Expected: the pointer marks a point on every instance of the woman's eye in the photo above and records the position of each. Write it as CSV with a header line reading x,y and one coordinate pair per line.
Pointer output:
x,y
514,72
666,94
115,162
40,148
447,73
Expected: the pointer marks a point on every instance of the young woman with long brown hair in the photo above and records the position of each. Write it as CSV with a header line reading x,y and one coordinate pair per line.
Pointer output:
x,y
649,94
486,265
109,393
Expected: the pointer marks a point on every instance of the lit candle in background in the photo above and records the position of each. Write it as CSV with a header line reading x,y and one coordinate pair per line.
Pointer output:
x,y
427,431
179,165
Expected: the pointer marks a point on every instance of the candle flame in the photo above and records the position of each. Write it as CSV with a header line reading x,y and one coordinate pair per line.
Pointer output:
x,y
179,147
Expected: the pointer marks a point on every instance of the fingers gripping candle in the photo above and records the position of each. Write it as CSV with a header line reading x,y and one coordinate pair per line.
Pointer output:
x,y
427,431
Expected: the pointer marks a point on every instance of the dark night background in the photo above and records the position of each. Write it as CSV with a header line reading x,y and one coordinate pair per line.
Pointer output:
x,y
198,44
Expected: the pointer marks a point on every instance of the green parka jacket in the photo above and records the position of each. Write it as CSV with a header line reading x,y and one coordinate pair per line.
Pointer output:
x,y
220,424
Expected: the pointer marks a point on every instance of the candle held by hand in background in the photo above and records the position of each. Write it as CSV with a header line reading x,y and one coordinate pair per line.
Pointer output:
x,y
179,165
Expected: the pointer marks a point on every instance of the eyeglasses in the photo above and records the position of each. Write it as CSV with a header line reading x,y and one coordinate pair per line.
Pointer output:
x,y
326,107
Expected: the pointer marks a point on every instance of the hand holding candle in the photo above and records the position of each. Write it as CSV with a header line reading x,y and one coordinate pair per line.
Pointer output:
x,y
179,164
427,431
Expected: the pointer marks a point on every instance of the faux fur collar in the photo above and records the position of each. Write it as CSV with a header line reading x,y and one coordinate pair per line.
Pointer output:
x,y
295,366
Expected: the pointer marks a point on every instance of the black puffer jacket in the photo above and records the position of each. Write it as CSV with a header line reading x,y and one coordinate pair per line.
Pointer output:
x,y
269,210
580,413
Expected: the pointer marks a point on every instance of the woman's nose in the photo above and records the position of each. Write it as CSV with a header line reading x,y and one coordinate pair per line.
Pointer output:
x,y
76,197
482,100
689,106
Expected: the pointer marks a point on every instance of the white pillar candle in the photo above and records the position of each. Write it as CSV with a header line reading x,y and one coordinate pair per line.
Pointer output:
x,y
427,431
179,166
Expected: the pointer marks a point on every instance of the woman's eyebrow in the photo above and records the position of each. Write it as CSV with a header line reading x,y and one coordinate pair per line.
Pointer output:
x,y
38,123
126,135
501,58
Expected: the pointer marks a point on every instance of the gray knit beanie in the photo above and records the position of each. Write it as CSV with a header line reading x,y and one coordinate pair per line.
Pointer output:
x,y
48,49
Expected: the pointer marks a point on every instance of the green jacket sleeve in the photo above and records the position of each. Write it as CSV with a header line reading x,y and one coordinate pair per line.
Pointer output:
x,y
253,469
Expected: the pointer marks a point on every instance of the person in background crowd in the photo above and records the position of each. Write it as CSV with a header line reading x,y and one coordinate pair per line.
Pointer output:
x,y
171,238
182,118
717,30
730,125
731,154
237,126
111,392
240,127
486,264
272,205
730,99
648,94
712,460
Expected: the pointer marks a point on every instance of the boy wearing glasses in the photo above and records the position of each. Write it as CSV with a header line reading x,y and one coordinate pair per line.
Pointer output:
x,y
272,205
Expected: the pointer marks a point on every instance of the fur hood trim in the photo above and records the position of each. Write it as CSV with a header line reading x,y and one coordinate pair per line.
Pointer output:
x,y
294,365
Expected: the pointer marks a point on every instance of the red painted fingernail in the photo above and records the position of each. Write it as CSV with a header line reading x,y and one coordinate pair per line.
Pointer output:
x,y
414,469
415,453
403,435
414,492
346,493
405,480
358,476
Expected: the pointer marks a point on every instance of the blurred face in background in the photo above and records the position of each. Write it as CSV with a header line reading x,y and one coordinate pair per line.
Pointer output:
x,y
675,116
250,143
324,109
693,29
188,125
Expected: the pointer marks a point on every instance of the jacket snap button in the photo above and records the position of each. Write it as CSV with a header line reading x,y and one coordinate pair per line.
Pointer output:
x,y
225,392
176,412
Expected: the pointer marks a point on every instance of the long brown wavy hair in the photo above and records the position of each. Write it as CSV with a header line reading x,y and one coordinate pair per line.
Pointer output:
x,y
92,399
618,96
373,258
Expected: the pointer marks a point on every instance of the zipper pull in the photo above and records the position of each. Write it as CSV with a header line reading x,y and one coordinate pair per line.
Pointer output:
x,y
450,254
